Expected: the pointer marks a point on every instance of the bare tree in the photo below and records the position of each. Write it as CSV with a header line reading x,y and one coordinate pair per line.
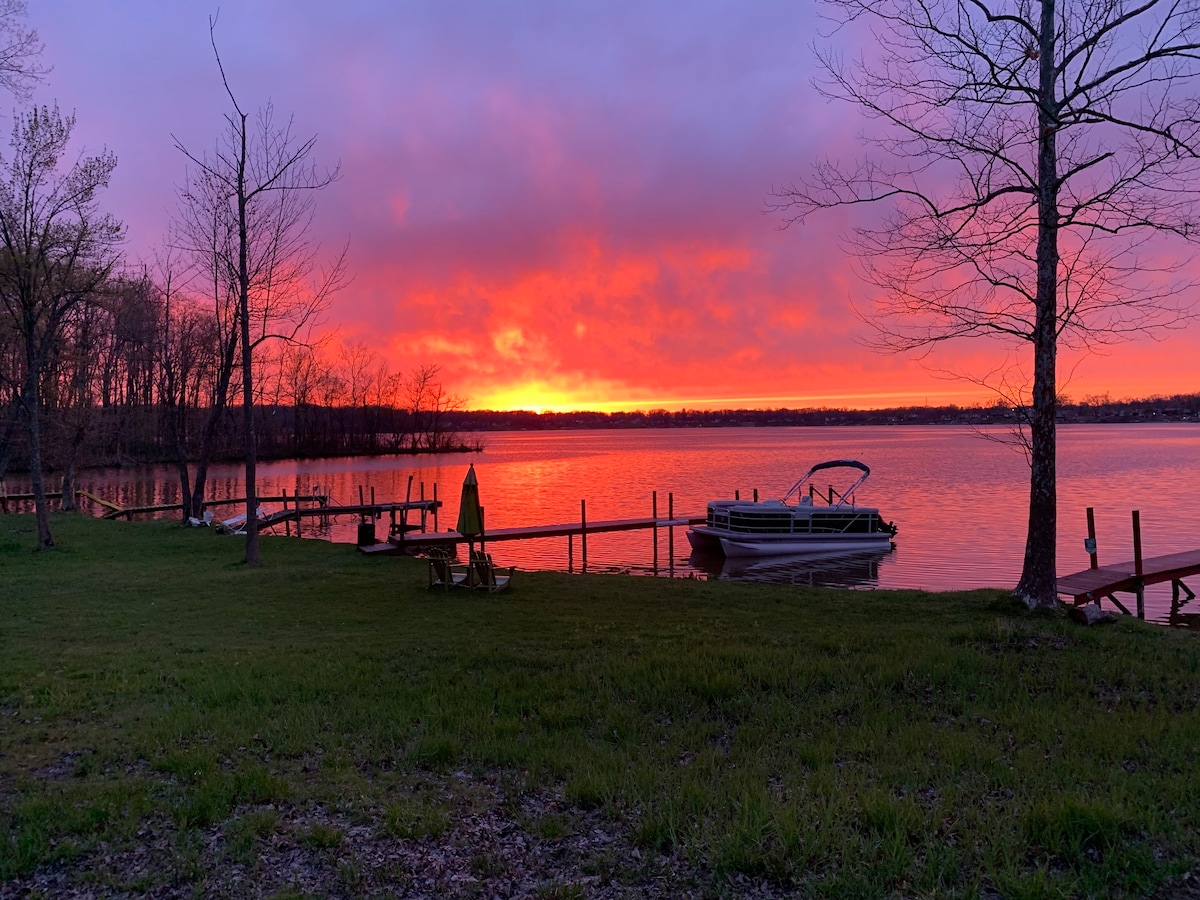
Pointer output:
x,y
428,403
20,49
56,250
1038,163
256,190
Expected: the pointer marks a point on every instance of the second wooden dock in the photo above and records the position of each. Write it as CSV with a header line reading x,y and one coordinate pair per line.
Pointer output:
x,y
1097,581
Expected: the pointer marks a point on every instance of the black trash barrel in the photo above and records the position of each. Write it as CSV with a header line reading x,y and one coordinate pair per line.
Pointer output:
x,y
366,533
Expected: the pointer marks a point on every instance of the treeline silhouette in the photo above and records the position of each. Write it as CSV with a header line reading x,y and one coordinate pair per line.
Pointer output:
x,y
1176,408
139,376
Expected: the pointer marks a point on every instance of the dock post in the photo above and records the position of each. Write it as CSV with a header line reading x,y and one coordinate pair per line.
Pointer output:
x,y
671,533
654,515
582,535
737,495
1091,539
1137,564
287,523
435,506
756,495
570,553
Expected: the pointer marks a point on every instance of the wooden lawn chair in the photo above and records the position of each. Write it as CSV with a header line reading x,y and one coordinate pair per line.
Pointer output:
x,y
443,573
486,576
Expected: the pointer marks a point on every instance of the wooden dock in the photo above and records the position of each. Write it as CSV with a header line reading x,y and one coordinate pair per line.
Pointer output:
x,y
424,540
413,541
1097,581
1126,577
363,510
405,541
128,512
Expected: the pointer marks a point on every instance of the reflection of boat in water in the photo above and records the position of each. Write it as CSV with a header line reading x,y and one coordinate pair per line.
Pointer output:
x,y
815,523
855,569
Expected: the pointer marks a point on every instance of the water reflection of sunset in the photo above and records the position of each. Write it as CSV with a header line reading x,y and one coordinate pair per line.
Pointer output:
x,y
949,491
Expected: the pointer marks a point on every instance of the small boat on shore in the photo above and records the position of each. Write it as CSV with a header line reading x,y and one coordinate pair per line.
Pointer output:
x,y
237,524
815,523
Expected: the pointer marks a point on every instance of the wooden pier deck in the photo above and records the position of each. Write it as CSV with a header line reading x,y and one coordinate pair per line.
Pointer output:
x,y
1098,581
128,512
423,540
1131,577
373,510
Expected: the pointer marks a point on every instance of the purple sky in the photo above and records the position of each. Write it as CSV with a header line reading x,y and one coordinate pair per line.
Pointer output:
x,y
560,203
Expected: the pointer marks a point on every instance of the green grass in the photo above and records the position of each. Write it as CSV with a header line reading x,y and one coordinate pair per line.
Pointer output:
x,y
836,743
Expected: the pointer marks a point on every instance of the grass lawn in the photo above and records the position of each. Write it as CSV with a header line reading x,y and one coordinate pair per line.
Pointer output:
x,y
173,723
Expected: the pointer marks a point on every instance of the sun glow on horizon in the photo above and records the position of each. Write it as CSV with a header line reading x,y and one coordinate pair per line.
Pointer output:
x,y
540,398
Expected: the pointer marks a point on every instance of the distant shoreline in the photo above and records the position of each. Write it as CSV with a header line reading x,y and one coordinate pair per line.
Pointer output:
x,y
1179,408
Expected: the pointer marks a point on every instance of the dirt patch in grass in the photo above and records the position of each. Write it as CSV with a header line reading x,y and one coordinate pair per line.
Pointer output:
x,y
483,841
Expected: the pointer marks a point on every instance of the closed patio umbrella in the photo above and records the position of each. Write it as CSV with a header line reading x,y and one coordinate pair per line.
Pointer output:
x,y
470,513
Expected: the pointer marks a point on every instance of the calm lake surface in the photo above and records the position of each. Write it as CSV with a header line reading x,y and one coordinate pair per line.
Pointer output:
x,y
958,498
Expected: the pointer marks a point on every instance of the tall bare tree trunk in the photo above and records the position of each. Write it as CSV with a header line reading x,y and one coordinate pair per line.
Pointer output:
x,y
1037,587
253,557
31,398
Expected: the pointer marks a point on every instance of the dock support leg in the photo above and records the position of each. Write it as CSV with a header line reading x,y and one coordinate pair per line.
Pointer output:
x,y
1117,603
671,534
1177,585
583,535
654,530
1093,559
1137,564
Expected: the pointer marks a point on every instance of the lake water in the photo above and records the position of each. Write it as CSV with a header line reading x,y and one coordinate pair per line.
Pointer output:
x,y
959,499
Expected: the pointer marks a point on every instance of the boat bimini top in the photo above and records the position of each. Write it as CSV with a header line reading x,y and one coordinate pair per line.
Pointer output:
x,y
846,497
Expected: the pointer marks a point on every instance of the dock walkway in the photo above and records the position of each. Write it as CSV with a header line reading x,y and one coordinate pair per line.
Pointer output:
x,y
424,540
1132,577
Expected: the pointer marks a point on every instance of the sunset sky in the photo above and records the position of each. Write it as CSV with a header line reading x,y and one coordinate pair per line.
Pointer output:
x,y
560,202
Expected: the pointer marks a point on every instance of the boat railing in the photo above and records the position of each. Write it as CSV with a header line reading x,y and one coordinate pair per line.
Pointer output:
x,y
844,498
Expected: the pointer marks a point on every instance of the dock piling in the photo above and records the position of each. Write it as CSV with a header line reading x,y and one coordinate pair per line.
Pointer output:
x,y
654,530
671,533
1090,544
583,535
1137,564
